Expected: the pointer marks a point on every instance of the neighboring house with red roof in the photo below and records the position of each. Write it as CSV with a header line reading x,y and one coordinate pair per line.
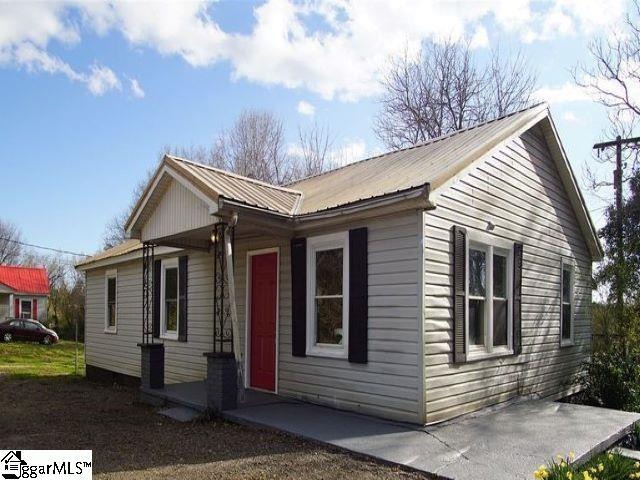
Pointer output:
x,y
24,292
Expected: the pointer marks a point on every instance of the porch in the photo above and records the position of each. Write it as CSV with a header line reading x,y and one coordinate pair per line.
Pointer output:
x,y
193,395
191,307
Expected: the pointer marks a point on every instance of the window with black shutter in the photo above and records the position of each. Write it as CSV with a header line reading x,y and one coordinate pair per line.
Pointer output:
x,y
487,295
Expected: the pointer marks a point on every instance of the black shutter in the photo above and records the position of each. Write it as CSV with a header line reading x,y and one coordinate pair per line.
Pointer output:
x,y
182,298
358,295
517,298
459,293
299,297
157,272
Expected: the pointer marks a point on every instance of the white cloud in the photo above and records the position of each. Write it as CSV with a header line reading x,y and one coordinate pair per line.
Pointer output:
x,y
351,151
567,92
570,117
335,49
101,80
136,88
305,108
480,38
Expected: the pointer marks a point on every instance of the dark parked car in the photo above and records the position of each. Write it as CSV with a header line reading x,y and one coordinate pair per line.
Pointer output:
x,y
27,330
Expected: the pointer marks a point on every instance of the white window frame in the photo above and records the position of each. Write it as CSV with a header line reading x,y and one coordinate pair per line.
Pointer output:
x,y
489,244
316,244
570,265
110,274
164,333
30,301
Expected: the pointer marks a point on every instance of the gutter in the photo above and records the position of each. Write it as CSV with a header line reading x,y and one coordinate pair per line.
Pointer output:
x,y
419,193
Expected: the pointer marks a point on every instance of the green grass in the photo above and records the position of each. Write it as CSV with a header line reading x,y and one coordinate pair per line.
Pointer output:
x,y
29,360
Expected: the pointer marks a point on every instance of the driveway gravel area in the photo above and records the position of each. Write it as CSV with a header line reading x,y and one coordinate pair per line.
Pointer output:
x,y
131,441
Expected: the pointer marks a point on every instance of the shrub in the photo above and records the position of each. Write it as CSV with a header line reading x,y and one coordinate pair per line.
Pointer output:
x,y
611,379
606,466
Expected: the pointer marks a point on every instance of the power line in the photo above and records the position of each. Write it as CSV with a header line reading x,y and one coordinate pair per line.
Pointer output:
x,y
66,252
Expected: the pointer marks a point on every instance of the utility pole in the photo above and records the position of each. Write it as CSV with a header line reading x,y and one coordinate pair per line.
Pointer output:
x,y
617,185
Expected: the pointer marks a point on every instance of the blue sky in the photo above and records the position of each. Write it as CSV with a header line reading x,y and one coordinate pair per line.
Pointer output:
x,y
91,92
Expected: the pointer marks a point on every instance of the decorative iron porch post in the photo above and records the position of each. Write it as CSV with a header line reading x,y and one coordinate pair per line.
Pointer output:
x,y
151,353
222,368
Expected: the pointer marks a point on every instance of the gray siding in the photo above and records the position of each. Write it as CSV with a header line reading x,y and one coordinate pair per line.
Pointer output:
x,y
119,352
178,210
389,384
518,189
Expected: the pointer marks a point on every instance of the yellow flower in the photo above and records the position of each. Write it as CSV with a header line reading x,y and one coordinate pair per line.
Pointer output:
x,y
540,474
571,456
600,467
570,475
563,463
610,456
586,475
637,465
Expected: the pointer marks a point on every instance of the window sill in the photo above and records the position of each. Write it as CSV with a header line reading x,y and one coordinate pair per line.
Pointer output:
x,y
169,336
326,351
484,355
111,330
567,343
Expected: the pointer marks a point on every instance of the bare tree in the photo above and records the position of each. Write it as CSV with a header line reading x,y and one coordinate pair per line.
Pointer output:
x,y
314,151
613,80
443,88
255,147
10,247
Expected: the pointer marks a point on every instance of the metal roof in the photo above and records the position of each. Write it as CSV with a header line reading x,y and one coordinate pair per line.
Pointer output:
x,y
430,163
251,192
125,247
30,280
434,164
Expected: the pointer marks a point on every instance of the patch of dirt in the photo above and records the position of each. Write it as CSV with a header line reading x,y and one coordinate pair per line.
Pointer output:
x,y
130,440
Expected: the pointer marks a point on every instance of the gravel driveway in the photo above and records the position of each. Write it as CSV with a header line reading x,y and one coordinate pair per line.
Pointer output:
x,y
129,440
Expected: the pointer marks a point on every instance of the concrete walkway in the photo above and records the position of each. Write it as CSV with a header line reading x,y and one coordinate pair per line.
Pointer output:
x,y
506,443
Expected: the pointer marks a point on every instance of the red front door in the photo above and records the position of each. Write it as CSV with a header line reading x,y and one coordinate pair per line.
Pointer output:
x,y
264,291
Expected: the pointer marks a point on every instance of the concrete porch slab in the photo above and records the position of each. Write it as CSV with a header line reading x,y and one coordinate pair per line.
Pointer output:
x,y
506,443
194,395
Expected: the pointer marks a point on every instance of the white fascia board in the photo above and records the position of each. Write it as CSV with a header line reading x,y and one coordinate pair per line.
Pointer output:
x,y
127,257
167,170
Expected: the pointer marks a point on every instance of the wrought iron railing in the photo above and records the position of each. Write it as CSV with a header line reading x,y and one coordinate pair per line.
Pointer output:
x,y
148,257
222,321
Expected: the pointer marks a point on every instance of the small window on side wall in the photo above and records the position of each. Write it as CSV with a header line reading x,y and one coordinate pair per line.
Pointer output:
x,y
327,295
567,302
111,302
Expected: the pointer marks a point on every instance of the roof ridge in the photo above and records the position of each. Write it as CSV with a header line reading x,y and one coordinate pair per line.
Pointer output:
x,y
425,143
3,265
235,175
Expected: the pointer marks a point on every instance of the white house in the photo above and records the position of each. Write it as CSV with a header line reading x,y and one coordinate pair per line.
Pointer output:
x,y
417,285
